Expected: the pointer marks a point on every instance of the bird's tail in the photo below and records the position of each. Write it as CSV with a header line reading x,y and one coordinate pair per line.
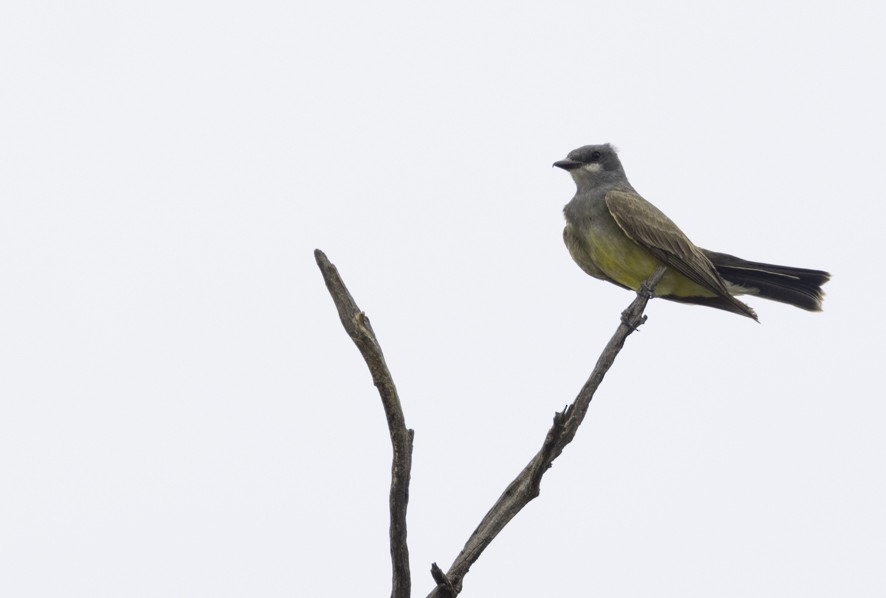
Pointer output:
x,y
800,287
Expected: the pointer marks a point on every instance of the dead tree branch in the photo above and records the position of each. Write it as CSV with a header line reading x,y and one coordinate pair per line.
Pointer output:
x,y
527,484
359,329
525,487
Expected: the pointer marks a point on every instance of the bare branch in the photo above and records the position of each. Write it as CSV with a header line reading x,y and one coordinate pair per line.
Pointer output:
x,y
357,326
526,486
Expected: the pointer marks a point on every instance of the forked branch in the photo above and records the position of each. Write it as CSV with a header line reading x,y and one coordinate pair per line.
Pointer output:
x,y
525,487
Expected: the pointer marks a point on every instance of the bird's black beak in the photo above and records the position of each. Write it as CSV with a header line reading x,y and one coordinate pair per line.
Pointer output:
x,y
567,164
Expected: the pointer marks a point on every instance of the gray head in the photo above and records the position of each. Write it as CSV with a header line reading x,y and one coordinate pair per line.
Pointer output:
x,y
592,165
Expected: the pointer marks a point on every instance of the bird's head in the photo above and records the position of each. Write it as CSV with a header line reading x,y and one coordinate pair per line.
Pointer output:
x,y
593,164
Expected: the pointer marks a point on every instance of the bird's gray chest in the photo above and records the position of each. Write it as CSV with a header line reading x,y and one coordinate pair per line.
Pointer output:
x,y
586,217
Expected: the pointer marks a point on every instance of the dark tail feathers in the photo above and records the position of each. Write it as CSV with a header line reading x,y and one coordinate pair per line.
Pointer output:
x,y
795,286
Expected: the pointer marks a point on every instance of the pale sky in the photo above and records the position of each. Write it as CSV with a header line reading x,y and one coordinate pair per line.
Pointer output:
x,y
182,415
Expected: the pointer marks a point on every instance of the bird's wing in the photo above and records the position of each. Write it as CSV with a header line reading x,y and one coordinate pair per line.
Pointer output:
x,y
648,226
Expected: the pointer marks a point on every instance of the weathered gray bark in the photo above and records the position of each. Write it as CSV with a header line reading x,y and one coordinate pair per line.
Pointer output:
x,y
519,492
527,484
360,330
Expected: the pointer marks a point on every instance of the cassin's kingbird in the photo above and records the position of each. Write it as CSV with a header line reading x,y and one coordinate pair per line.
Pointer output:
x,y
614,234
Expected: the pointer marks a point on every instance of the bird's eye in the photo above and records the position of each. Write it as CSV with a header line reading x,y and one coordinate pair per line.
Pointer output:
x,y
595,155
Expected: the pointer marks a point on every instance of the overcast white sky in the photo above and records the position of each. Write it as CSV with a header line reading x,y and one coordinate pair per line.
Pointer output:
x,y
182,415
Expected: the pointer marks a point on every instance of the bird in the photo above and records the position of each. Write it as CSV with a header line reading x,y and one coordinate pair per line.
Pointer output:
x,y
615,235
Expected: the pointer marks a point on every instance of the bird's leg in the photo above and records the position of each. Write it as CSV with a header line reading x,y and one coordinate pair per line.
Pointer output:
x,y
631,317
647,288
